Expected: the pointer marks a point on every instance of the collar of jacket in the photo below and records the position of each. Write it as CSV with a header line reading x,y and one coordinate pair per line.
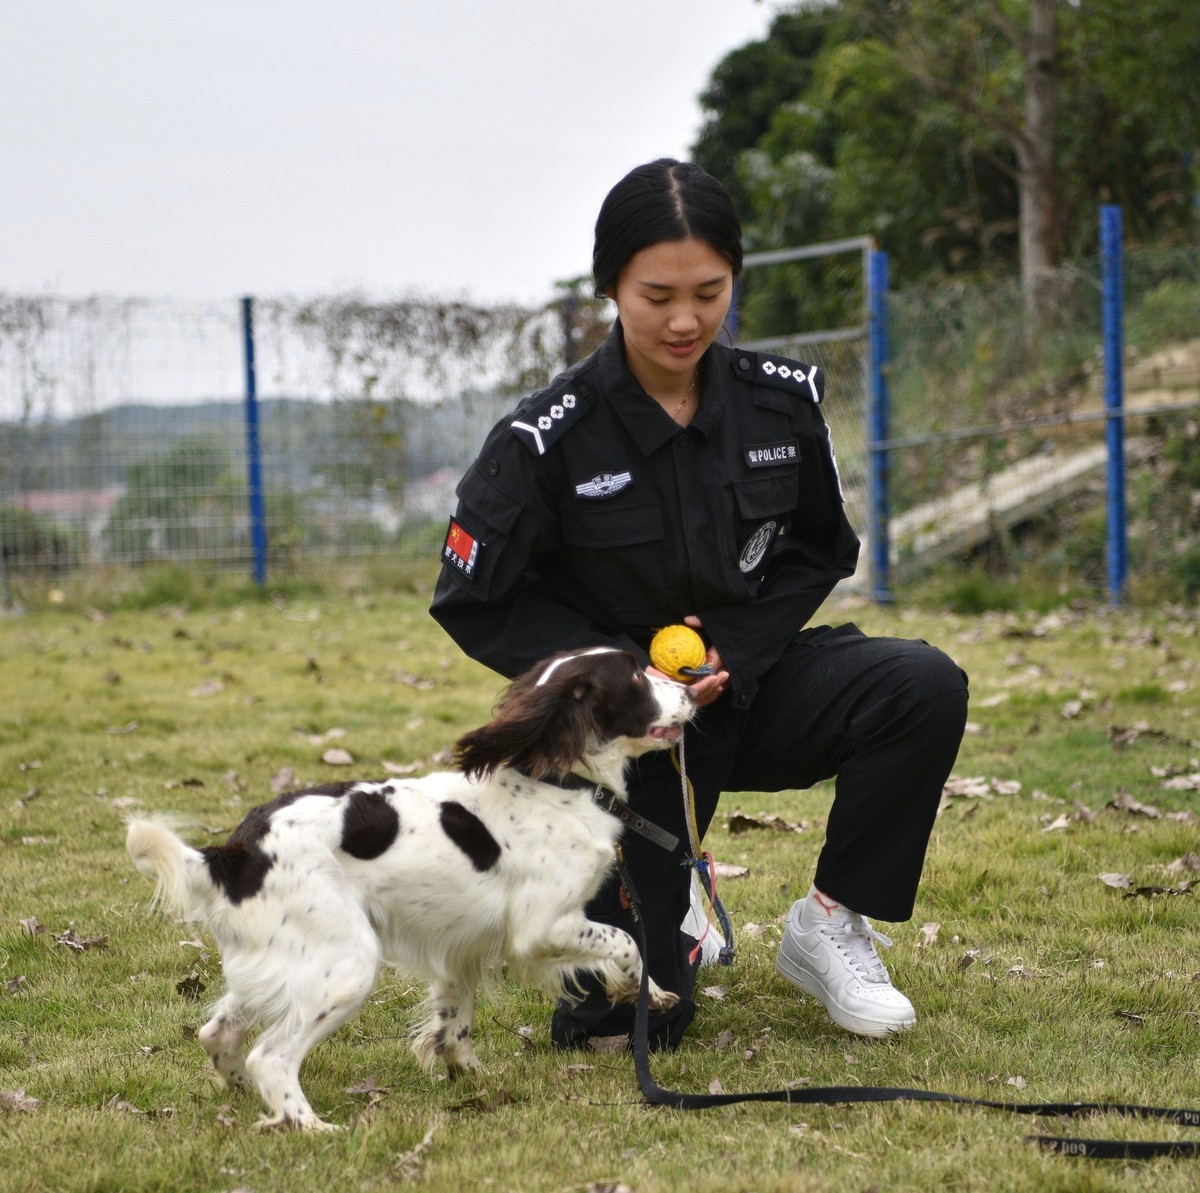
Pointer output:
x,y
644,418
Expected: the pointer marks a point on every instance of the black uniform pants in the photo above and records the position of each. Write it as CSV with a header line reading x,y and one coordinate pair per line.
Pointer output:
x,y
883,715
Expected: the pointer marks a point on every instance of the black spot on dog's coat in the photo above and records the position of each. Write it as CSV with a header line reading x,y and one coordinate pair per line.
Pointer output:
x,y
470,834
370,825
239,870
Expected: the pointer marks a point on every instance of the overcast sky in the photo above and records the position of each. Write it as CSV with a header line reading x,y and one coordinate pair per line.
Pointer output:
x,y
213,148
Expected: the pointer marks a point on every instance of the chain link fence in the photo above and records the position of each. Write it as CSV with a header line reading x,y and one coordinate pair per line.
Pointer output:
x,y
122,422
997,431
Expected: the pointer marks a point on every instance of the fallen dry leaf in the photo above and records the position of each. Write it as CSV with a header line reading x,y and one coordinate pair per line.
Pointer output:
x,y
717,992
368,1085
15,1099
13,985
482,1102
572,1071
739,822
190,987
929,935
210,687
284,780
726,870
1148,892
337,757
80,943
1188,864
1126,803
401,768
408,1165
31,926
1183,783
1120,881
608,1043
724,1039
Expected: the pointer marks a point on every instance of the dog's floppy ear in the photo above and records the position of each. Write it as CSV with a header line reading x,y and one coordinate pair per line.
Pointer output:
x,y
540,729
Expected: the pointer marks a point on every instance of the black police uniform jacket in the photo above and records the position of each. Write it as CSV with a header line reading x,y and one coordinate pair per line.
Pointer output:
x,y
590,517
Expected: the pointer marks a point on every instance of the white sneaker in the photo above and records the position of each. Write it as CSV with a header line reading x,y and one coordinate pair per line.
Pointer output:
x,y
832,956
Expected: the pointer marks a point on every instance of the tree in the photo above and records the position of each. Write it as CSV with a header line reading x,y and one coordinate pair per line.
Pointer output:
x,y
963,133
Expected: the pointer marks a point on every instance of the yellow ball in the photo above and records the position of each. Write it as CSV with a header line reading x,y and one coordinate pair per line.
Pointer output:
x,y
675,647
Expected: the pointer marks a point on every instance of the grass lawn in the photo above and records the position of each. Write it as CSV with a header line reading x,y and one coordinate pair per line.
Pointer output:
x,y
1054,953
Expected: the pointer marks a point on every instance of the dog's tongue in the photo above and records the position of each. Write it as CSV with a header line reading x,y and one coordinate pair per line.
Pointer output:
x,y
667,732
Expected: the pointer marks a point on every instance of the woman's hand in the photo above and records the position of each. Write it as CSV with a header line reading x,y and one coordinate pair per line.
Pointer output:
x,y
709,687
704,691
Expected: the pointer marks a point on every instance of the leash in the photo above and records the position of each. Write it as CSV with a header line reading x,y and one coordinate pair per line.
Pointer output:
x,y
704,866
1097,1149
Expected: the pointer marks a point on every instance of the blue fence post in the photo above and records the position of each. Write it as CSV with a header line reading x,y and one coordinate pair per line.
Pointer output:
x,y
1113,304
258,517
877,428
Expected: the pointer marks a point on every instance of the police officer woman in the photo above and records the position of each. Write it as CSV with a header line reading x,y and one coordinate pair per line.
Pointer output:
x,y
668,478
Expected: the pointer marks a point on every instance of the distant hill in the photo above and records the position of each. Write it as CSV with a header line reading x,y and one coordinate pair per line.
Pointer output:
x,y
303,442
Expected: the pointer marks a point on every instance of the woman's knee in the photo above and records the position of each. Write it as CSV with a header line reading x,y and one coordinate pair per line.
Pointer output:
x,y
935,671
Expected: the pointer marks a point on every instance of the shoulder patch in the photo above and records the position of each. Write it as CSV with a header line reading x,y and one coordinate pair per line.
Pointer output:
x,y
778,372
542,422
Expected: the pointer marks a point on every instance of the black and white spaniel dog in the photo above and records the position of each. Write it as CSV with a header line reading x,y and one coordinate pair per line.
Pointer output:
x,y
444,877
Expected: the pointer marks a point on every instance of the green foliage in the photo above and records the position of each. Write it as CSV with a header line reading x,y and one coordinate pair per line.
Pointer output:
x,y
1168,313
177,503
1185,570
900,121
40,545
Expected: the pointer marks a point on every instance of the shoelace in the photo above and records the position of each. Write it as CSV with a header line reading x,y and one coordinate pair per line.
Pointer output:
x,y
855,939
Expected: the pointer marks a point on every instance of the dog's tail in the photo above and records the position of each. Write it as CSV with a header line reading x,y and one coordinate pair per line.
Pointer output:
x,y
182,885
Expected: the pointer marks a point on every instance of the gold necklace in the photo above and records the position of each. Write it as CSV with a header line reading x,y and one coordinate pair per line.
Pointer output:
x,y
687,397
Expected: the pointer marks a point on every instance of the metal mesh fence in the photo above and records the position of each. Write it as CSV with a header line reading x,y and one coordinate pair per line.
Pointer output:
x,y
994,426
122,434
122,424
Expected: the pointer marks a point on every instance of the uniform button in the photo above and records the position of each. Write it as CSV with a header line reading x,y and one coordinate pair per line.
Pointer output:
x,y
493,468
743,364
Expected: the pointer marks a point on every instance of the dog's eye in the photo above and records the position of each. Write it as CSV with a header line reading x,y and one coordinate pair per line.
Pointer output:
x,y
639,676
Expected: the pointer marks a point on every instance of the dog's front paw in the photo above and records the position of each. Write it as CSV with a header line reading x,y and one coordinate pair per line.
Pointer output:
x,y
660,999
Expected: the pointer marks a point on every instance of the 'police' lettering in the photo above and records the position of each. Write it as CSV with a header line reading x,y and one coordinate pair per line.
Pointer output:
x,y
764,455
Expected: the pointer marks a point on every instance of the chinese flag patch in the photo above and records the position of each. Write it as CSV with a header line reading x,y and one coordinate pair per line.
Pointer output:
x,y
461,548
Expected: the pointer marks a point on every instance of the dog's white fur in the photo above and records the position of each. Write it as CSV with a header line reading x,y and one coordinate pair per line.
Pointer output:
x,y
487,866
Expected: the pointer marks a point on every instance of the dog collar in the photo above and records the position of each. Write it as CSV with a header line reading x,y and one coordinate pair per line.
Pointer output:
x,y
611,802
608,799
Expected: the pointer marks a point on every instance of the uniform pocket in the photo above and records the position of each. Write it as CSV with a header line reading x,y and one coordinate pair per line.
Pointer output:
x,y
767,496
617,551
613,526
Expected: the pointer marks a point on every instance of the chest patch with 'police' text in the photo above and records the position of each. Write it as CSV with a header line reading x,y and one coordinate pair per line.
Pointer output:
x,y
763,455
604,484
460,548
